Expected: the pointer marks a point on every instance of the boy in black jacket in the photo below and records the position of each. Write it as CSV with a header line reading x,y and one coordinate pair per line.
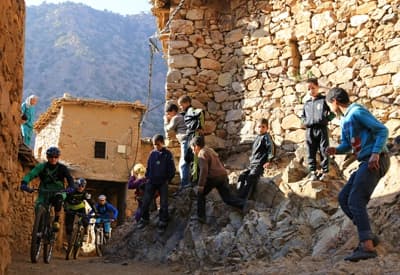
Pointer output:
x,y
315,117
262,153
160,171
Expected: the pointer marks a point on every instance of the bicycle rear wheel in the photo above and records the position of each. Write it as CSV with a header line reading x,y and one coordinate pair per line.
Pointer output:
x,y
38,233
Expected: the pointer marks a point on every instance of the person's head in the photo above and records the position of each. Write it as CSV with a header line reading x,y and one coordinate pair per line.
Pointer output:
x,y
262,126
102,199
312,86
138,170
197,143
184,102
52,154
158,142
337,98
32,100
80,184
171,109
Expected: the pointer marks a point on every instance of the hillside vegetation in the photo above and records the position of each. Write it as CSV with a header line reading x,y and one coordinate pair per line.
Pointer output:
x,y
95,54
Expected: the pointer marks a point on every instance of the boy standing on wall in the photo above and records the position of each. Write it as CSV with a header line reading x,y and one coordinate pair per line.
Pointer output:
x,y
194,120
315,117
160,172
174,121
263,151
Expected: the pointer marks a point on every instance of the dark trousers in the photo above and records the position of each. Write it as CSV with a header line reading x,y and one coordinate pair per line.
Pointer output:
x,y
69,220
355,195
149,192
221,183
317,139
248,180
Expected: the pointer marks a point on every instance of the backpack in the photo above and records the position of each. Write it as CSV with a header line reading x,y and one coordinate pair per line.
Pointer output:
x,y
194,119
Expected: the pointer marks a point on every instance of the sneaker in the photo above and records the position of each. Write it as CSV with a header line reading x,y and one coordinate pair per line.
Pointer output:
x,y
361,254
56,226
312,175
248,204
162,224
85,238
201,219
375,240
142,223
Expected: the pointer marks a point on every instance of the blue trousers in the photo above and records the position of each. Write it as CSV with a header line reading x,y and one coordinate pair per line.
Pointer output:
x,y
184,167
355,195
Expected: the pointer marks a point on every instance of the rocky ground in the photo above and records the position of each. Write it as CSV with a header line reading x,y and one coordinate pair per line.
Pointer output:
x,y
294,226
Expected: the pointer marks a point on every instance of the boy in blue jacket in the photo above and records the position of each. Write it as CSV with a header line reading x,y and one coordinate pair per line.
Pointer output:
x,y
366,137
160,171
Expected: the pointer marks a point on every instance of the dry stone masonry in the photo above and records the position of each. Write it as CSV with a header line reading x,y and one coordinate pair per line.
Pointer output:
x,y
244,60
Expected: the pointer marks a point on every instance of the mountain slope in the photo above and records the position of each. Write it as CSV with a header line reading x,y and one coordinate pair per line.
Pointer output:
x,y
89,53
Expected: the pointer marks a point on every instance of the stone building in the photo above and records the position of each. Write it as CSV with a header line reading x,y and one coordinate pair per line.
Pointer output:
x,y
99,141
242,60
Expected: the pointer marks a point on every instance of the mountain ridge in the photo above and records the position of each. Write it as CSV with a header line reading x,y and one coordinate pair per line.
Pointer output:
x,y
93,54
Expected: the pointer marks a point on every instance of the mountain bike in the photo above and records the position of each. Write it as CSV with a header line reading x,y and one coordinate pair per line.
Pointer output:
x,y
76,241
100,238
42,232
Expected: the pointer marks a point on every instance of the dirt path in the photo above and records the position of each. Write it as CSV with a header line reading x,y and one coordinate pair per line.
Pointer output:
x,y
85,266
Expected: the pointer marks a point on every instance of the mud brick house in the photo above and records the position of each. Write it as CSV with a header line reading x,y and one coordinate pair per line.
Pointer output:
x,y
99,141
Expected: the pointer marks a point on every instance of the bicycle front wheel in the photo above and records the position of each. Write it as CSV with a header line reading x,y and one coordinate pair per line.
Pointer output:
x,y
99,240
48,241
38,233
73,240
78,242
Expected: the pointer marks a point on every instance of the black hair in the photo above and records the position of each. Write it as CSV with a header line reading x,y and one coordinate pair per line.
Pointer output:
x,y
185,99
199,141
157,137
263,121
171,107
339,94
313,80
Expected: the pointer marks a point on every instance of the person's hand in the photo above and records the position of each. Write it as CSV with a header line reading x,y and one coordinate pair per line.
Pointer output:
x,y
26,188
373,162
330,151
267,165
70,190
200,189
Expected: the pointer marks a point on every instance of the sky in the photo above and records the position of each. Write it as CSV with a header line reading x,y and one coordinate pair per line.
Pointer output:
x,y
125,7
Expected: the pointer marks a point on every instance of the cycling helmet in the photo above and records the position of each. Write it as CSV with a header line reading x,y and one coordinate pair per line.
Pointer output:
x,y
102,198
80,182
53,152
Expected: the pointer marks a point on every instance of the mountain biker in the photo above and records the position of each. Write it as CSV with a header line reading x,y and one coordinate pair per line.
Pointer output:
x,y
103,209
52,175
75,203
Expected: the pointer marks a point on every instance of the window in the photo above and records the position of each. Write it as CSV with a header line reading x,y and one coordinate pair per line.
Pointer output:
x,y
100,150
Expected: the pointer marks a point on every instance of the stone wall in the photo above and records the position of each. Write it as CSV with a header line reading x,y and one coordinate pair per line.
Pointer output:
x,y
12,20
244,60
